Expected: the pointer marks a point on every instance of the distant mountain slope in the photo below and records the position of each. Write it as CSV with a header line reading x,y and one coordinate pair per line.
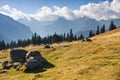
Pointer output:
x,y
12,29
3,37
61,25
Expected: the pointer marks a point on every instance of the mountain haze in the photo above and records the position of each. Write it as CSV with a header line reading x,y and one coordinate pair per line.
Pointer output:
x,y
13,30
3,37
61,25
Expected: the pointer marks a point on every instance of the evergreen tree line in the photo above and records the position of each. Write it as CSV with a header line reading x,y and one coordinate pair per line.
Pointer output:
x,y
55,38
37,40
102,29
98,31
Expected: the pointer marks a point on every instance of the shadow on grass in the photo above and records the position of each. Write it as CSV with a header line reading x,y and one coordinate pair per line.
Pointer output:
x,y
42,68
2,71
118,76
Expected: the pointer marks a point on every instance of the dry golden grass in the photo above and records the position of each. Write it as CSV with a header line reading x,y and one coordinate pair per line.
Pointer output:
x,y
97,60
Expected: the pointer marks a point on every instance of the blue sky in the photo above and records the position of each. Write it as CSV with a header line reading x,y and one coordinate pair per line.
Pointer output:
x,y
30,6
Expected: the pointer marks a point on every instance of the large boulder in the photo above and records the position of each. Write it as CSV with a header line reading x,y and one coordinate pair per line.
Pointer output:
x,y
18,55
34,59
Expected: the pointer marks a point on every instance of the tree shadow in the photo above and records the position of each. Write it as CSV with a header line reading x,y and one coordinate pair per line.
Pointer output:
x,y
41,68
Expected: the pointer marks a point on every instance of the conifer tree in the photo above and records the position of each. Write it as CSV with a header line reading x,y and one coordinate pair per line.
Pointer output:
x,y
97,31
38,40
2,45
71,35
55,38
112,26
81,37
75,38
68,37
102,30
64,37
91,34
34,39
7,46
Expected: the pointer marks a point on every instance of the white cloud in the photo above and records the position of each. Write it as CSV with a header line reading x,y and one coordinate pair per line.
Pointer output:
x,y
43,14
12,12
103,10
64,12
6,7
115,5
96,11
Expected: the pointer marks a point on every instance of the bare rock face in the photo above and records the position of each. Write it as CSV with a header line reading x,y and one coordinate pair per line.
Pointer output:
x,y
18,55
34,59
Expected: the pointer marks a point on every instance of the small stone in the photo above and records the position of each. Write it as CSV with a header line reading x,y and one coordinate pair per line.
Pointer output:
x,y
47,46
6,65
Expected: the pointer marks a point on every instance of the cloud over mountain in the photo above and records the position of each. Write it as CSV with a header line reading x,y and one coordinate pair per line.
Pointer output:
x,y
13,12
102,10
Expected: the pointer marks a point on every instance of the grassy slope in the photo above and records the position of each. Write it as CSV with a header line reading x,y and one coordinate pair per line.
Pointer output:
x,y
97,60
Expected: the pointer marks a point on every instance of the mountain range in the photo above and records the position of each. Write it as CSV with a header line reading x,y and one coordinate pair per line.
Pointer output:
x,y
13,30
62,25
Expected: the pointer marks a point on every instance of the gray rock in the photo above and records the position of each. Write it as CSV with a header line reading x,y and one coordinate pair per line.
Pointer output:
x,y
6,65
47,46
33,55
88,39
32,64
18,55
17,64
34,59
82,40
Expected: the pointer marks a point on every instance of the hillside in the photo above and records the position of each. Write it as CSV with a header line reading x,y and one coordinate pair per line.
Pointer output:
x,y
97,60
113,35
